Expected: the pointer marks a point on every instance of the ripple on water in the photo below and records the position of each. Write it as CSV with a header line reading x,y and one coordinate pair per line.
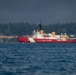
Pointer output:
x,y
38,59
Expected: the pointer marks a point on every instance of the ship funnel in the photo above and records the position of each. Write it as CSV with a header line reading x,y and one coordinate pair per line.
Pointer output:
x,y
40,25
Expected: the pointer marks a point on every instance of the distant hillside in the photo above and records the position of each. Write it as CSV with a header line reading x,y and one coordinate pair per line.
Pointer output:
x,y
26,28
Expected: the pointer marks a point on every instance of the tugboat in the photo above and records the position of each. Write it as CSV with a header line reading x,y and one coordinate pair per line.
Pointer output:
x,y
41,37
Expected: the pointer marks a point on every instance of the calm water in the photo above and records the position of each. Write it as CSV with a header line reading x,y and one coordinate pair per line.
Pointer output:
x,y
38,59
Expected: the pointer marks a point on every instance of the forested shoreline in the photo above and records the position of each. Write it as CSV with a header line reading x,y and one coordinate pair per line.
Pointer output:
x,y
22,28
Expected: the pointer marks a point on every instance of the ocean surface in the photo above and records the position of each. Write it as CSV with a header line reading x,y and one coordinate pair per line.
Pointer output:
x,y
37,58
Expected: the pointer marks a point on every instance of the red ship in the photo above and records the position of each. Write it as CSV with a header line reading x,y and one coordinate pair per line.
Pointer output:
x,y
41,37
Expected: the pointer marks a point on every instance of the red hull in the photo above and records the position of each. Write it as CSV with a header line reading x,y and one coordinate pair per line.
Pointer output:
x,y
56,41
26,39
23,39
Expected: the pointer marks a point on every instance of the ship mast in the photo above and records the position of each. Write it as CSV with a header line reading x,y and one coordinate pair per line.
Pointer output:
x,y
40,25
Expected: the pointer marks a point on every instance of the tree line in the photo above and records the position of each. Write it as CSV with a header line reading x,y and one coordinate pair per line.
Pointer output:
x,y
22,28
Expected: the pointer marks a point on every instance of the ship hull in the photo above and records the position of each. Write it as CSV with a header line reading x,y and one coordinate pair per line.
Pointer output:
x,y
44,40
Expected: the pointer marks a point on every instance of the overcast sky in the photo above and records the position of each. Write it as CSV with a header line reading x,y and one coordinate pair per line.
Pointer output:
x,y
32,11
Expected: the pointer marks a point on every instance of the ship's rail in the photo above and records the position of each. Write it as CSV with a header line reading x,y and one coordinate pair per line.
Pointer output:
x,y
72,38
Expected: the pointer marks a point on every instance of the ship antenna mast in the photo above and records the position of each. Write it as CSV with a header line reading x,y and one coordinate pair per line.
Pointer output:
x,y
40,25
